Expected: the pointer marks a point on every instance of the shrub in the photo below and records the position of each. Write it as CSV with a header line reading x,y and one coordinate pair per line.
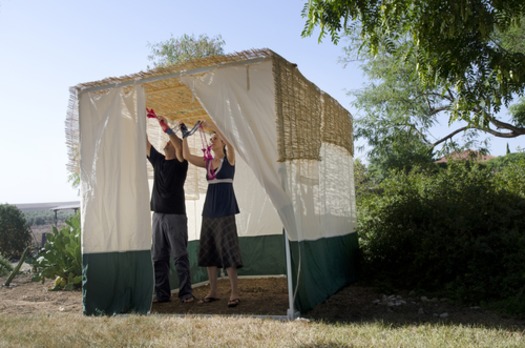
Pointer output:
x,y
509,173
457,232
5,266
15,233
61,258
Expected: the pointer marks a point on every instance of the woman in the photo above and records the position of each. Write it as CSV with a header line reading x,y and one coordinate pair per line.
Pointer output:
x,y
219,244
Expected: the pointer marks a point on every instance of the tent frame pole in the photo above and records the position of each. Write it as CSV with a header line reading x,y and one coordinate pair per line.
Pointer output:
x,y
176,75
291,313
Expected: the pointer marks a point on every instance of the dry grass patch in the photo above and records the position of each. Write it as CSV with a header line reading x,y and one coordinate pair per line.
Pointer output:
x,y
32,316
71,330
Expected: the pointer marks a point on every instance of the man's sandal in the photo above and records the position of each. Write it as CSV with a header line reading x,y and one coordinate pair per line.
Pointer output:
x,y
188,299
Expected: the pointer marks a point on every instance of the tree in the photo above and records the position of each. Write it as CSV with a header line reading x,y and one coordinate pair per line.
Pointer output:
x,y
177,50
361,179
455,44
399,111
15,233
518,113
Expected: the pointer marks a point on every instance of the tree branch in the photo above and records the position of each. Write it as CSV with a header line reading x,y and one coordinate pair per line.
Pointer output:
x,y
515,130
450,135
511,134
434,111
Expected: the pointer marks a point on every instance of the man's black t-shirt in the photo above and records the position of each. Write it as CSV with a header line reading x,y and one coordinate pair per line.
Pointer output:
x,y
167,196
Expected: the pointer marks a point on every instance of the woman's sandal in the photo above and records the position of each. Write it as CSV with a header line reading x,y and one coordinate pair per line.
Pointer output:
x,y
209,299
234,302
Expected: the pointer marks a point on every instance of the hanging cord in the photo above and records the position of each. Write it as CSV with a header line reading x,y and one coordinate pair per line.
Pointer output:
x,y
206,149
207,155
198,126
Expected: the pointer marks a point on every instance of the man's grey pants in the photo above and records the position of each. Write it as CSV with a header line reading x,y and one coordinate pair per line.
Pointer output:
x,y
170,239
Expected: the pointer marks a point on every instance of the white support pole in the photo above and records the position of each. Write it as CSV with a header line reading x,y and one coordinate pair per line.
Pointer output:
x,y
291,313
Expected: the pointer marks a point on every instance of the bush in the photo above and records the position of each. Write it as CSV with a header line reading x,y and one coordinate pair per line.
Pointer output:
x,y
61,258
15,233
509,173
458,232
5,266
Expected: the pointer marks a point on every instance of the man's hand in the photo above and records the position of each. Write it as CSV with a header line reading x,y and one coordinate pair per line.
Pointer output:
x,y
162,120
164,124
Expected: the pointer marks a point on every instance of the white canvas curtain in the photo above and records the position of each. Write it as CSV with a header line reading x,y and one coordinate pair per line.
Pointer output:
x,y
115,205
240,100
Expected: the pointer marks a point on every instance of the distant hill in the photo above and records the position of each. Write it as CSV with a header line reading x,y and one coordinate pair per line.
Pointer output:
x,y
48,206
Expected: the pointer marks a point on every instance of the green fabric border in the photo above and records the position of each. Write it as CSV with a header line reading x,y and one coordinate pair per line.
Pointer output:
x,y
117,282
325,266
261,255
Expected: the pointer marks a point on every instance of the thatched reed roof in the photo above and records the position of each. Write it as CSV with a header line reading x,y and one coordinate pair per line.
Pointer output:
x,y
306,116
166,94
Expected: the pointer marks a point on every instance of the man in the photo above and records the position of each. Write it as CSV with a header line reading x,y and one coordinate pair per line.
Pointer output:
x,y
170,223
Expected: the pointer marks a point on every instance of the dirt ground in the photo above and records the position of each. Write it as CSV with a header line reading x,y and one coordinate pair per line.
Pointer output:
x,y
269,296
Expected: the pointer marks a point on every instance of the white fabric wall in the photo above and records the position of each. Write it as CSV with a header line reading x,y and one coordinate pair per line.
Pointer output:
x,y
323,193
115,205
258,216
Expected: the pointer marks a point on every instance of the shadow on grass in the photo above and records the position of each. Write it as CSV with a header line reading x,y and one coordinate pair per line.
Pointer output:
x,y
362,304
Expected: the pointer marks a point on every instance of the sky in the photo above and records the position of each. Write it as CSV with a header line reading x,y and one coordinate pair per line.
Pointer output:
x,y
49,46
